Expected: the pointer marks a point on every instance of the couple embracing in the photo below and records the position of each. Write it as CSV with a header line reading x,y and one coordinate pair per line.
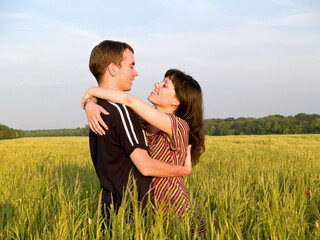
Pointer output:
x,y
132,137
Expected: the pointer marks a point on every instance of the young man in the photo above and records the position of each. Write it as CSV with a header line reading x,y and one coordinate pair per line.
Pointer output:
x,y
122,148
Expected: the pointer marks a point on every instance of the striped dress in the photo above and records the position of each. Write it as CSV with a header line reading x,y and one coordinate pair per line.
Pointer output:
x,y
170,192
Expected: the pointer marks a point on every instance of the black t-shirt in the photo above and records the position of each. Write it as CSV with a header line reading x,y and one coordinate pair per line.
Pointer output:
x,y
111,153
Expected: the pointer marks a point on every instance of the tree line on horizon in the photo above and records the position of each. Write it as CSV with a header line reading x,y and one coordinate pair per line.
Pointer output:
x,y
273,124
9,133
58,132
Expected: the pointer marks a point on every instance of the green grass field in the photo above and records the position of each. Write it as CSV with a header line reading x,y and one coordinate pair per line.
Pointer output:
x,y
248,187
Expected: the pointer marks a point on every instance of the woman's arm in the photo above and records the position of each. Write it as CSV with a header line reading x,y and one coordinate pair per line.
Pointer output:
x,y
147,112
148,166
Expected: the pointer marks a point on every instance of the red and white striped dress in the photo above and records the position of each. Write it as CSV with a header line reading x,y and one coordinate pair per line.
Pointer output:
x,y
170,192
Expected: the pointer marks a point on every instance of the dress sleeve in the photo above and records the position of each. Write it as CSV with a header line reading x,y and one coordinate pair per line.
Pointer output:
x,y
180,133
143,123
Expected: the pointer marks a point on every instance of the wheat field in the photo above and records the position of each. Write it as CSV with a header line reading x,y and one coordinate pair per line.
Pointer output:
x,y
248,187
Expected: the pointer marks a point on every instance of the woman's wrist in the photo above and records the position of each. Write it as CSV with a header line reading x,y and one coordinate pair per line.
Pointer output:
x,y
90,99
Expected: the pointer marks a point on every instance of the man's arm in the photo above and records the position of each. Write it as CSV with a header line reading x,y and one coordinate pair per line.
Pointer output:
x,y
148,166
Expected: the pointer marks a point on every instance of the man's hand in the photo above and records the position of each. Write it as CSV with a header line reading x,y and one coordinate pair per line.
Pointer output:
x,y
188,163
95,121
148,166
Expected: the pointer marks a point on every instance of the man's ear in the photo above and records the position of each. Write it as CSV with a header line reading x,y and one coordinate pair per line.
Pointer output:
x,y
112,69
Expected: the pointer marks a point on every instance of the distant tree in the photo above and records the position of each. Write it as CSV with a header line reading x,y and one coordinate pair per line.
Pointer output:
x,y
9,133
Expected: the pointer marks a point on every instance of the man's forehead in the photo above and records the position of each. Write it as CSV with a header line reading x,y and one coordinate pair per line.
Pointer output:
x,y
128,56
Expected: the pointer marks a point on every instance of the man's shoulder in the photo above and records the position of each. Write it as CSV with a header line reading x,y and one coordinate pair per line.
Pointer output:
x,y
106,104
117,108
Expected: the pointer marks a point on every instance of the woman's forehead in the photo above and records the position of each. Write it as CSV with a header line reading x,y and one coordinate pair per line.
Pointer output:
x,y
167,80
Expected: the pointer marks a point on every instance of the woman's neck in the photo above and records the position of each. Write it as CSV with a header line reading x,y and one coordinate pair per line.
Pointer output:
x,y
165,110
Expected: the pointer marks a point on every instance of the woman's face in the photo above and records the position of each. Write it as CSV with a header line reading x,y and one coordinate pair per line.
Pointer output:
x,y
163,97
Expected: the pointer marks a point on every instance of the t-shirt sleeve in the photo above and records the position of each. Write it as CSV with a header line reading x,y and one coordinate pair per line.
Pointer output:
x,y
180,133
129,130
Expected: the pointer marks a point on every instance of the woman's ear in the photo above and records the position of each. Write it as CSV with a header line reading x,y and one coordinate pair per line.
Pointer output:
x,y
175,102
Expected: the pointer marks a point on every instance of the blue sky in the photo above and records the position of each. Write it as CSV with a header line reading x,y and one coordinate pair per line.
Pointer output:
x,y
252,58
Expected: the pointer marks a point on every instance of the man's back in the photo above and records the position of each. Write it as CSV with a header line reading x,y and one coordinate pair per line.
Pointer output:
x,y
111,153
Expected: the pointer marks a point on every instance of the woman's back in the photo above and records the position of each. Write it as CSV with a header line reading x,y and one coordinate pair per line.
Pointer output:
x,y
170,192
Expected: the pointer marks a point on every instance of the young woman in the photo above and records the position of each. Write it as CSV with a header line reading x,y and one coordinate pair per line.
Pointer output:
x,y
175,122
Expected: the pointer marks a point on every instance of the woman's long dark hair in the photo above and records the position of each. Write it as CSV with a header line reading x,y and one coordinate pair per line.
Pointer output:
x,y
188,92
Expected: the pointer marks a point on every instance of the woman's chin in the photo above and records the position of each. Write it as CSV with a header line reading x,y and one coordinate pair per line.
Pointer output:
x,y
150,99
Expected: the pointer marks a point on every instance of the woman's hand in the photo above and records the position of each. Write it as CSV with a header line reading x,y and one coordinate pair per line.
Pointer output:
x,y
95,121
188,163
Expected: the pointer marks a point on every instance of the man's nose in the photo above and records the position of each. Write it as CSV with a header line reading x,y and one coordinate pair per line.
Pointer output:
x,y
135,73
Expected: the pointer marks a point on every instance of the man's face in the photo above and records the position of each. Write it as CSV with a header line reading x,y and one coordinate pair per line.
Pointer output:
x,y
127,72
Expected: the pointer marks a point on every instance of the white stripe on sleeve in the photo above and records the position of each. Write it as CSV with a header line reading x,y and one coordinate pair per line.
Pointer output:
x,y
132,130
124,122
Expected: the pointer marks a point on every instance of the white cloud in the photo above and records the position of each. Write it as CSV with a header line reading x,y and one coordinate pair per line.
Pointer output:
x,y
49,53
285,3
311,19
16,15
297,4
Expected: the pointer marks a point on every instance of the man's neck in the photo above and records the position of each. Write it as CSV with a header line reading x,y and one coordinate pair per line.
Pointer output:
x,y
109,83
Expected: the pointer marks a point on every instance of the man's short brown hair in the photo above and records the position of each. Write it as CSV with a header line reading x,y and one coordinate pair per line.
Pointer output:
x,y
104,53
